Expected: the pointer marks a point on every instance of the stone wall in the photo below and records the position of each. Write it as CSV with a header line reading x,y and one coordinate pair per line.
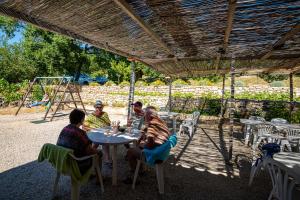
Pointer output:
x,y
90,94
120,96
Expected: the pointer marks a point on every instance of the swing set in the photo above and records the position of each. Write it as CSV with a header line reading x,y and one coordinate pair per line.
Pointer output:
x,y
63,91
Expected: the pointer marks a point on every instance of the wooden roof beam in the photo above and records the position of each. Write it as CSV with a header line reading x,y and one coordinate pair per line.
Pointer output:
x,y
230,18
130,12
282,40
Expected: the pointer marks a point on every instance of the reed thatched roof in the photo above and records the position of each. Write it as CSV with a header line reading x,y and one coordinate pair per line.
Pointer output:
x,y
178,37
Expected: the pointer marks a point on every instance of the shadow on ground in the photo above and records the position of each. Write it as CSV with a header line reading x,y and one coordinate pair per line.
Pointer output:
x,y
196,169
35,181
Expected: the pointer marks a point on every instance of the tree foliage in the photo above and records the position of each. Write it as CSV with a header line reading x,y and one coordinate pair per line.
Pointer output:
x,y
273,77
43,53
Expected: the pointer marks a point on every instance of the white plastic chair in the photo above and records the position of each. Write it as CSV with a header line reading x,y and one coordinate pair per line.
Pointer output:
x,y
279,121
266,132
190,124
257,118
283,179
159,168
249,128
292,139
163,152
75,186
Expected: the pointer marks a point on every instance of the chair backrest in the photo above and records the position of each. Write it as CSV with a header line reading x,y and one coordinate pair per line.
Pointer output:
x,y
283,179
63,160
163,109
292,132
263,129
279,121
160,152
257,118
196,116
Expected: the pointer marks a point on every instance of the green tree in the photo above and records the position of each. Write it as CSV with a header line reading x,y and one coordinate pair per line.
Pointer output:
x,y
13,65
119,71
43,53
9,26
273,77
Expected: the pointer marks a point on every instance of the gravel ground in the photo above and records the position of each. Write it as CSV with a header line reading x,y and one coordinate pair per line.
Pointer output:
x,y
195,170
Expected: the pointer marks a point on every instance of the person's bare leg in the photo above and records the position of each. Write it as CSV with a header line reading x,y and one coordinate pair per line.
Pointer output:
x,y
133,154
106,153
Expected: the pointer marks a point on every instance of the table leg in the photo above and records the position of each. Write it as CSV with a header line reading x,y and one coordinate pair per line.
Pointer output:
x,y
247,134
135,144
114,170
174,125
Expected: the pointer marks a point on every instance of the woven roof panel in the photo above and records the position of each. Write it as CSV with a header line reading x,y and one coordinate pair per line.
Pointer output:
x,y
177,37
259,24
186,25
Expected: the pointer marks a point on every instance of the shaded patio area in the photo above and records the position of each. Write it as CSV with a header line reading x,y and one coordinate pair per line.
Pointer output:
x,y
196,168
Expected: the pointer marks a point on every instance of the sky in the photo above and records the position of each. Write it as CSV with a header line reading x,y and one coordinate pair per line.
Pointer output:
x,y
18,37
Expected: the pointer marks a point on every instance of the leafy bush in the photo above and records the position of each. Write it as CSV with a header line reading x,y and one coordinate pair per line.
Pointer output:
x,y
273,77
110,83
179,82
277,84
296,117
140,84
37,93
119,104
263,96
12,92
187,95
193,82
94,84
119,93
210,95
212,104
157,94
157,83
205,82
276,109
124,83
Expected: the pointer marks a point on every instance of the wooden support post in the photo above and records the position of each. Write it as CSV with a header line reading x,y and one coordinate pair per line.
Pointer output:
x,y
291,95
170,93
222,99
131,89
231,114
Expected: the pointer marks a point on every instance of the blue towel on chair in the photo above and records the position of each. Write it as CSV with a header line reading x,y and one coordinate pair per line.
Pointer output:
x,y
160,152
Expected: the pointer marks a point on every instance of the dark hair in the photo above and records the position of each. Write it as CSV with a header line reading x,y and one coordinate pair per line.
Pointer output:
x,y
138,103
76,116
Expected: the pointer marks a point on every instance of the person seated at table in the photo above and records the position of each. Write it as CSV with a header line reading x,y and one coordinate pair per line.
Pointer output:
x,y
73,137
137,118
155,134
44,101
98,119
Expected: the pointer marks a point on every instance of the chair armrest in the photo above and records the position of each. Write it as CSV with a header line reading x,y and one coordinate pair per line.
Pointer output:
x,y
82,158
188,122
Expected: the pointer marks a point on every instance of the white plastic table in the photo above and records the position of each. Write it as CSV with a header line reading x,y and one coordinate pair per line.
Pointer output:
x,y
104,136
248,123
170,115
290,160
